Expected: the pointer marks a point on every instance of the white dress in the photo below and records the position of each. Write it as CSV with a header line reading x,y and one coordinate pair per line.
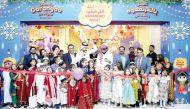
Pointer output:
x,y
6,84
117,89
105,91
153,92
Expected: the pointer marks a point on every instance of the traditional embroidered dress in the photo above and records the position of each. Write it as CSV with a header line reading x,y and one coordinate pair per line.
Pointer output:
x,y
95,85
21,90
30,81
72,92
85,95
13,91
50,83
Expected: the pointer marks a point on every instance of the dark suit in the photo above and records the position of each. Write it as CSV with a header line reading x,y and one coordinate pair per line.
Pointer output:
x,y
67,59
27,59
144,65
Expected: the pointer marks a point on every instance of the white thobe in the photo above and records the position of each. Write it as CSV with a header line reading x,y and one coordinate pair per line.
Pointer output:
x,y
6,84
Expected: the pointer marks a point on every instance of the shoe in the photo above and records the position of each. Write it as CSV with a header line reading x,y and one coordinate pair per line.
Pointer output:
x,y
121,105
144,106
25,106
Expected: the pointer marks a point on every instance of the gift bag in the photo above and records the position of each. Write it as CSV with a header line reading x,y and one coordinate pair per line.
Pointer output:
x,y
32,98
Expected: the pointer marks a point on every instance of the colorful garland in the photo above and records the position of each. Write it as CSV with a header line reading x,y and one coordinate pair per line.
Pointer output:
x,y
110,1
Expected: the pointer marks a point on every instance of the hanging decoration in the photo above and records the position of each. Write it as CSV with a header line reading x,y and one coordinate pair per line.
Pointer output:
x,y
3,4
9,30
164,32
24,31
180,30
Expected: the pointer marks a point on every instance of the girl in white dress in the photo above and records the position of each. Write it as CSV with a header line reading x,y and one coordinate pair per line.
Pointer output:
x,y
117,87
153,92
105,91
163,88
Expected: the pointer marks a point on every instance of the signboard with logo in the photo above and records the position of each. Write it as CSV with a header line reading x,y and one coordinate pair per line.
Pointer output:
x,y
180,63
95,14
142,11
46,10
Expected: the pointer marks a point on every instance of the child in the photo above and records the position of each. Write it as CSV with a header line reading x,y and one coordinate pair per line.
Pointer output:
x,y
21,89
30,77
106,77
7,63
159,68
85,94
13,86
152,94
50,88
163,88
64,91
144,83
128,91
40,87
135,82
84,65
72,88
94,80
117,88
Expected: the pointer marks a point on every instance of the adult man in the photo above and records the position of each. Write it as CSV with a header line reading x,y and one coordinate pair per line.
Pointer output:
x,y
70,56
85,52
152,55
104,57
142,62
131,54
28,57
121,57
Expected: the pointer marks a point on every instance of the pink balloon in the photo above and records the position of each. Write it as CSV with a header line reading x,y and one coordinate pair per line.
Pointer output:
x,y
78,73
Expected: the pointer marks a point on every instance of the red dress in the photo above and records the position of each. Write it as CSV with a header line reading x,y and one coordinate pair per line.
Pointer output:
x,y
22,89
51,91
95,87
85,95
72,93
30,82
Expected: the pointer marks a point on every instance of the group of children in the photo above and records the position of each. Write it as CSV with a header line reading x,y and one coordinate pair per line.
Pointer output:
x,y
111,86
133,87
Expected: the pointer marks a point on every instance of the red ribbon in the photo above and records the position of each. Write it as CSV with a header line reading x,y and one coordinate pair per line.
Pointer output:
x,y
69,73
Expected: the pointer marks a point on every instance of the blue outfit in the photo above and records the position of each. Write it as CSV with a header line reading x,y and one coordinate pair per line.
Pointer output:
x,y
128,93
145,64
118,58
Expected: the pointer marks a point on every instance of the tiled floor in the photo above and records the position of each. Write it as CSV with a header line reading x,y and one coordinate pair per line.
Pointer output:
x,y
101,106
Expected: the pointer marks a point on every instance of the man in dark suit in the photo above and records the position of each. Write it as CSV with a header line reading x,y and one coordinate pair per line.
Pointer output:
x,y
121,58
70,56
152,55
142,63
28,57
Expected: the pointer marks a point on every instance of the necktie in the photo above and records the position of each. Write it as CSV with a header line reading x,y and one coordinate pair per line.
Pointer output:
x,y
139,63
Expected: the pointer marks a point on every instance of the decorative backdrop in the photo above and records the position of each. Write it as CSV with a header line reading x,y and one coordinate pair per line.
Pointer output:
x,y
175,33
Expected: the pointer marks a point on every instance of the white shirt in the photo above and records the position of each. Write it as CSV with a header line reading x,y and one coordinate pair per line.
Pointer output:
x,y
102,64
85,55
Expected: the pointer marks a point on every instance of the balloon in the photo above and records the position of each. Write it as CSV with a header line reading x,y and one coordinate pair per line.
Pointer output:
x,y
78,73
